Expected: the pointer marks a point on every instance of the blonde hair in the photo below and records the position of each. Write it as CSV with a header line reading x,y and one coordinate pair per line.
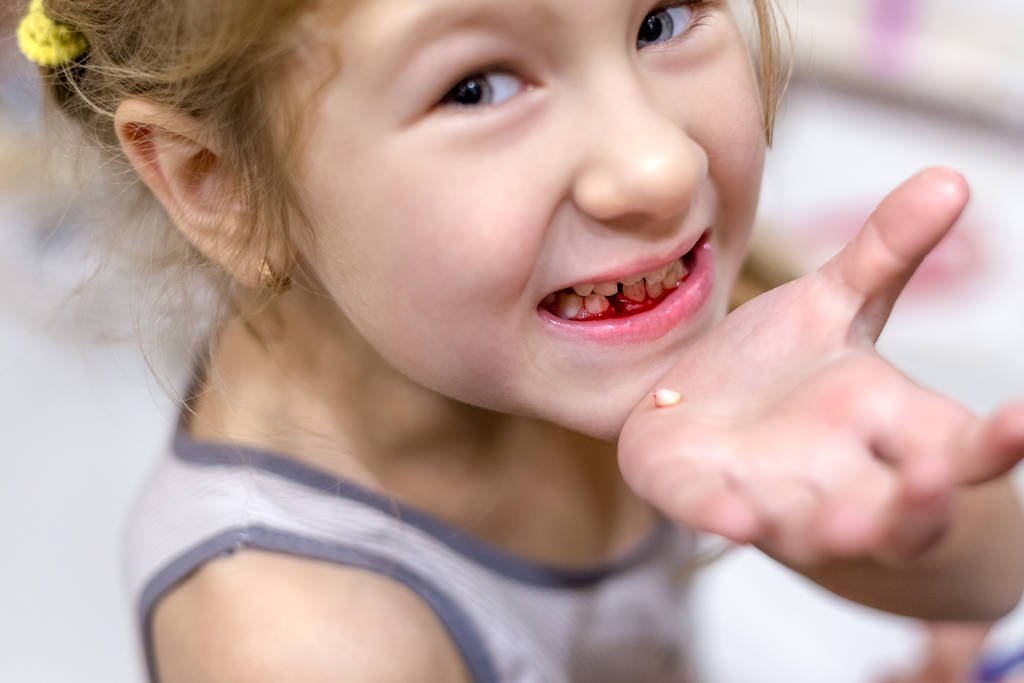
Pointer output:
x,y
222,62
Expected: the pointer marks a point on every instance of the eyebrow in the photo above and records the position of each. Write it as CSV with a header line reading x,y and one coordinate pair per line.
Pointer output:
x,y
427,21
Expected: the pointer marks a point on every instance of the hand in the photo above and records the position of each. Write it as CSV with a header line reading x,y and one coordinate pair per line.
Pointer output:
x,y
795,435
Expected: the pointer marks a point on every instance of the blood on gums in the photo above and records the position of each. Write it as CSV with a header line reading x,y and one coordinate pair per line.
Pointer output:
x,y
621,307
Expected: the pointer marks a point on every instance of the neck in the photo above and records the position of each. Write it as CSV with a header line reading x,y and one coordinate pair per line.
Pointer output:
x,y
274,383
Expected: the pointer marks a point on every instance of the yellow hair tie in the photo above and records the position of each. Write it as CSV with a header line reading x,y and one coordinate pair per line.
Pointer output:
x,y
46,42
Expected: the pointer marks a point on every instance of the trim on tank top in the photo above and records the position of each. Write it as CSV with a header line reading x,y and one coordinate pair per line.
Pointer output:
x,y
207,453
459,625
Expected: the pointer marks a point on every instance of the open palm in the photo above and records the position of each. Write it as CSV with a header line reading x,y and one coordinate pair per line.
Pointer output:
x,y
795,435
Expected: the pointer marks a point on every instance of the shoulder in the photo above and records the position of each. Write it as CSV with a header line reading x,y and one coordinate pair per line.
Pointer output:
x,y
262,617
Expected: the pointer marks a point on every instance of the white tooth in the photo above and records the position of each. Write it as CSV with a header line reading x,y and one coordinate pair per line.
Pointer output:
x,y
673,275
683,270
569,305
584,290
635,292
607,288
666,398
676,274
657,275
654,289
597,304
633,279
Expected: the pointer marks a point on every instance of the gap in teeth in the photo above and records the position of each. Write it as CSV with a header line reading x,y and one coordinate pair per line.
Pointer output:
x,y
593,299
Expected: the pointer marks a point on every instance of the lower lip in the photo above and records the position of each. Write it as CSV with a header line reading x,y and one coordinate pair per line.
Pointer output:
x,y
683,304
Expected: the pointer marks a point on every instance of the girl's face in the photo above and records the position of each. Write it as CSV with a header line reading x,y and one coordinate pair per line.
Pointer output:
x,y
475,160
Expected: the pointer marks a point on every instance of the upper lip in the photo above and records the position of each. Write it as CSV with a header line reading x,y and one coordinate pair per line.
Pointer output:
x,y
643,265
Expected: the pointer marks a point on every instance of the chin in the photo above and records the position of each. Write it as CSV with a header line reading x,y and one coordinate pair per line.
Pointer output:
x,y
602,421
603,432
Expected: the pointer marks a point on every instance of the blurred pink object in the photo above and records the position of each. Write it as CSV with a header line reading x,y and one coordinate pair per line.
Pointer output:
x,y
893,23
956,262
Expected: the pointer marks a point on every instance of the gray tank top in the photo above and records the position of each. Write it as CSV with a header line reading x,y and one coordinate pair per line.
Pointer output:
x,y
512,620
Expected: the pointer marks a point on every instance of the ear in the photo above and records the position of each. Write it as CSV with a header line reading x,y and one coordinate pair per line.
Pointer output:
x,y
180,165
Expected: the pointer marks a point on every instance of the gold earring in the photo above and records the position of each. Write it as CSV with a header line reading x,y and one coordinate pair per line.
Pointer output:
x,y
269,280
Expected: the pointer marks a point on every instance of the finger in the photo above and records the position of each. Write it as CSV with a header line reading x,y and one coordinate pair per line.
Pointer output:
x,y
896,678
912,432
914,525
990,447
821,507
956,641
789,509
915,431
853,522
709,502
881,258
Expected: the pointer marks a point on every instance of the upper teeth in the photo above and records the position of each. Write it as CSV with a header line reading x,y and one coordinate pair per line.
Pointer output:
x,y
665,277
635,288
584,290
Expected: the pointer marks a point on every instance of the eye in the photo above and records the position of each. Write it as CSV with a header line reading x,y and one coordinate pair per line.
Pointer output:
x,y
664,24
484,89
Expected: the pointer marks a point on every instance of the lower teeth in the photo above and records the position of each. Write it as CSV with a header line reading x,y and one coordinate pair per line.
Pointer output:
x,y
629,300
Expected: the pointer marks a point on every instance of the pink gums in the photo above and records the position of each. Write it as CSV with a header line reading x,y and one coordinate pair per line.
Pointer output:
x,y
621,307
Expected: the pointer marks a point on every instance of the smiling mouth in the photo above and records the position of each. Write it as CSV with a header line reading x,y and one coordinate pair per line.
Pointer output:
x,y
618,300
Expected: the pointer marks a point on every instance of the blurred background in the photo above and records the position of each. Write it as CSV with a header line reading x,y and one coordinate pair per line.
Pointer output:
x,y
881,89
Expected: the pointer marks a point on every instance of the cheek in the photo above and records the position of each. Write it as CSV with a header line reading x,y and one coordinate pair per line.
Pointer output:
x,y
736,154
716,100
729,126
727,120
431,265
467,236
419,236
466,244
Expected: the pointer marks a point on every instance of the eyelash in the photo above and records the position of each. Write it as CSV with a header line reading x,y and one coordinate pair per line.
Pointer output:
x,y
700,14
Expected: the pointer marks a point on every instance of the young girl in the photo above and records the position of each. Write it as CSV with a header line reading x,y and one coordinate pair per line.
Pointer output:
x,y
462,241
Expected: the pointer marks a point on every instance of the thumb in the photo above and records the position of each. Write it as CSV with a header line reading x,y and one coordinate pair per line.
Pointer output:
x,y
992,446
877,263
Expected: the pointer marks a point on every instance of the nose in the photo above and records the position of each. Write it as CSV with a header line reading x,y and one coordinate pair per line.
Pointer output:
x,y
638,164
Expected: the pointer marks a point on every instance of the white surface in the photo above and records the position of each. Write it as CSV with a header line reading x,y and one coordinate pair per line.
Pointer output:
x,y
760,623
80,428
